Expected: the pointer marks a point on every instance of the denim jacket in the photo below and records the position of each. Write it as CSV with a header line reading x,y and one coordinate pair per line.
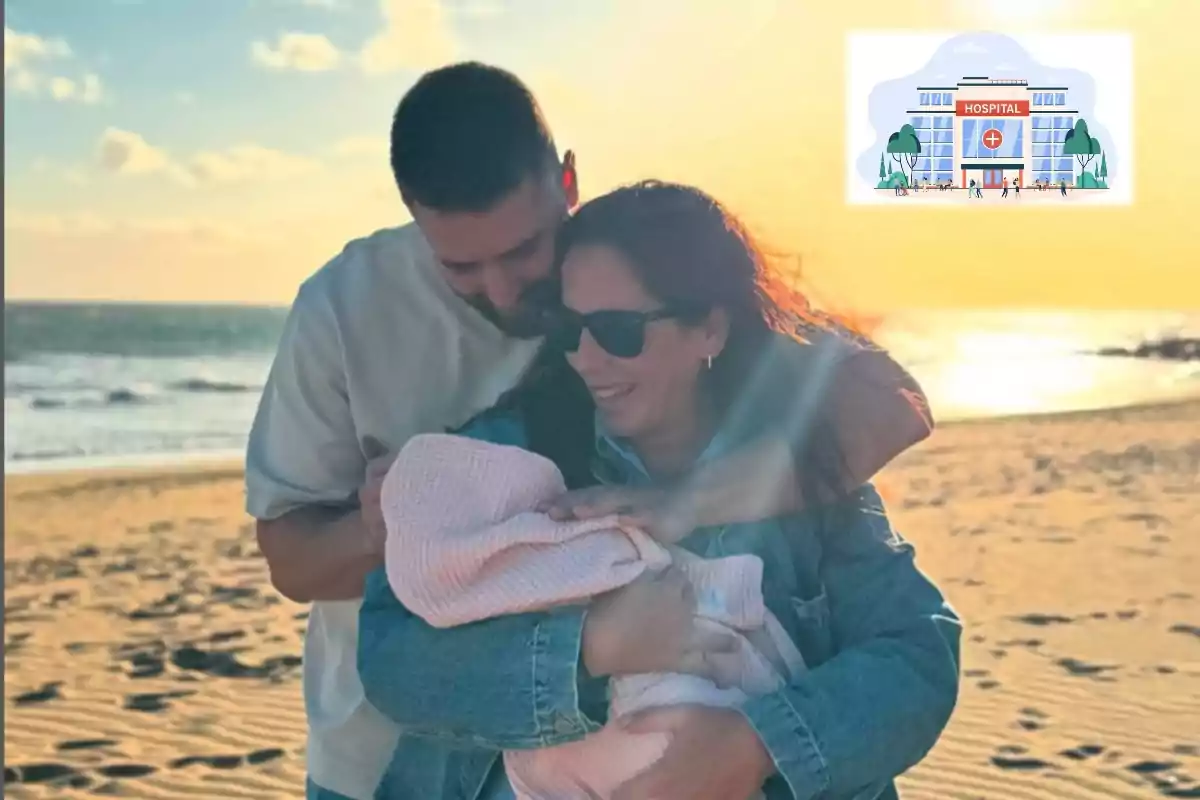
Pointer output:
x,y
881,643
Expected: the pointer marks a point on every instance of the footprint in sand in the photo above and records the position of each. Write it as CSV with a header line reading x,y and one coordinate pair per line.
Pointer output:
x,y
1043,620
1193,630
55,774
1031,719
1085,670
48,692
84,744
126,770
254,758
225,664
1163,776
1083,752
153,702
1031,644
1021,763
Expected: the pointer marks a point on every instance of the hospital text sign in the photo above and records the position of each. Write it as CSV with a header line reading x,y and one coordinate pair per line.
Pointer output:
x,y
992,108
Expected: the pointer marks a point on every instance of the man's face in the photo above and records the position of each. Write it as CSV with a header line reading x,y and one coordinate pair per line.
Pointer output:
x,y
497,260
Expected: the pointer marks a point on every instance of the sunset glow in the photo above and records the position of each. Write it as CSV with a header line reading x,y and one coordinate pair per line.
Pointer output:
x,y
200,151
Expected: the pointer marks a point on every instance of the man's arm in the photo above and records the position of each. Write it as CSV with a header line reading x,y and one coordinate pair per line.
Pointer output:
x,y
317,553
304,466
859,404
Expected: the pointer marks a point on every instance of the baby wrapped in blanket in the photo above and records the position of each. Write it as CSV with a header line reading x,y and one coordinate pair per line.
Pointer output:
x,y
465,544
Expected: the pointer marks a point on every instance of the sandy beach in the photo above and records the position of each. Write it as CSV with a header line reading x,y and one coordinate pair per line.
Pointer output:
x,y
146,654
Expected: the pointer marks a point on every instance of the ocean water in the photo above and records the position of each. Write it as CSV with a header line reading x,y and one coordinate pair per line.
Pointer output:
x,y
98,384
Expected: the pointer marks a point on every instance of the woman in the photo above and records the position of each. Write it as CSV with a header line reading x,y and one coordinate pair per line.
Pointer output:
x,y
661,358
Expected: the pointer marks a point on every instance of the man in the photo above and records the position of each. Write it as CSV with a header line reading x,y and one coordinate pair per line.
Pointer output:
x,y
414,329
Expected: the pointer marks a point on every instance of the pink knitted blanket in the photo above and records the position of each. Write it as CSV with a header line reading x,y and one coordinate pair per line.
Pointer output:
x,y
464,544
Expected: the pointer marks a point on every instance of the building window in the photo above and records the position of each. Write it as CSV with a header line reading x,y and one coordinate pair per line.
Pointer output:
x,y
1064,165
943,136
1042,176
946,101
941,150
1042,165
1040,122
1042,150
922,165
1060,99
943,122
1062,126
943,177
922,123
943,164
924,98
1037,98
1012,138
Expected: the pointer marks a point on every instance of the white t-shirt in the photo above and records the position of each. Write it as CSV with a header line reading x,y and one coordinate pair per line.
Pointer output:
x,y
376,349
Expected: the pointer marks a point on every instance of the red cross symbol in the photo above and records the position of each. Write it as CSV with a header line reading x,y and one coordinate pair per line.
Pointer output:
x,y
992,138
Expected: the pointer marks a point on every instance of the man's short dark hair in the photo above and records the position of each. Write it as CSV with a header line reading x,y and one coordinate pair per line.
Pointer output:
x,y
465,136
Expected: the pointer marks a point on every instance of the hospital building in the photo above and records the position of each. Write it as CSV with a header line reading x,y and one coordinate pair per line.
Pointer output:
x,y
989,130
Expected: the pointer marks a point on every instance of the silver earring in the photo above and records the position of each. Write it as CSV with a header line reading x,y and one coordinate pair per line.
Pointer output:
x,y
710,362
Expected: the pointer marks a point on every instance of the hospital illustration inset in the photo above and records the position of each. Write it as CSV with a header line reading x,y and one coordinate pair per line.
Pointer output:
x,y
983,120
1000,132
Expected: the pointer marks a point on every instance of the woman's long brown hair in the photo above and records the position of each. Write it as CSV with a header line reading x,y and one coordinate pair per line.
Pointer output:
x,y
694,256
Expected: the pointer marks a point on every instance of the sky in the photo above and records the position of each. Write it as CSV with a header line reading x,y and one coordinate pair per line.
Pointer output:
x,y
223,150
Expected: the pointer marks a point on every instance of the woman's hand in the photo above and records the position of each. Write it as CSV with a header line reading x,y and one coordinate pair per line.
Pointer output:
x,y
714,754
650,626
666,515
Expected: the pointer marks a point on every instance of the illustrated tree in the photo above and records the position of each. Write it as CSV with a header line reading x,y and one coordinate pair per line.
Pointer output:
x,y
882,171
1081,144
905,147
1103,166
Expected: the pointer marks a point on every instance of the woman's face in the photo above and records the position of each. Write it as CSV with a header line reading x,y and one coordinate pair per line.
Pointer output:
x,y
646,393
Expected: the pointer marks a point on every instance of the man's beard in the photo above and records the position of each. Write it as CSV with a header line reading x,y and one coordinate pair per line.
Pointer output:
x,y
529,320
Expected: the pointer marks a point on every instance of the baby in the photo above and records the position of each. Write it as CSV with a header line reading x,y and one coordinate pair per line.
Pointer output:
x,y
465,544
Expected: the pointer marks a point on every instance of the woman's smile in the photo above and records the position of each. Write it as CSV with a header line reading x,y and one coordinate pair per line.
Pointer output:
x,y
610,393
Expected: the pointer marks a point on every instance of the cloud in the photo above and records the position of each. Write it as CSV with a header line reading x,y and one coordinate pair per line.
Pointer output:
x,y
87,90
248,162
25,55
127,153
122,152
22,48
415,35
304,52
359,146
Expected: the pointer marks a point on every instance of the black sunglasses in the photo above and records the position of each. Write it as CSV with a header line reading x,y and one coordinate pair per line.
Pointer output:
x,y
619,333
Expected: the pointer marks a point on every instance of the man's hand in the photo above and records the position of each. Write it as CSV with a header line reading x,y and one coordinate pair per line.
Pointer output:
x,y
714,754
369,500
650,626
666,515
